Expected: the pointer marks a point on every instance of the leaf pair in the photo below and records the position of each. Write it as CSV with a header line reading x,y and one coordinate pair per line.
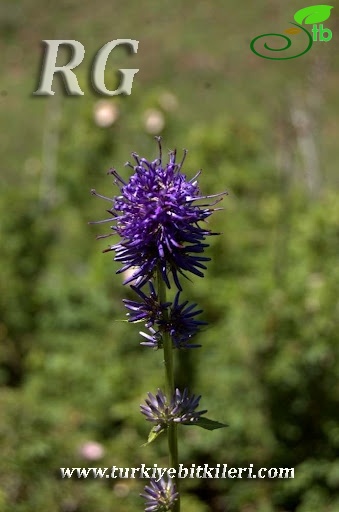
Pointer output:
x,y
202,423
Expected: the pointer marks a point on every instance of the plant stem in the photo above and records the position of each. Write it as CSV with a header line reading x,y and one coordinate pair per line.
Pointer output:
x,y
172,434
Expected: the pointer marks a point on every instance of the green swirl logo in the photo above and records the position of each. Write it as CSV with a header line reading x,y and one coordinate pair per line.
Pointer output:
x,y
308,15
287,45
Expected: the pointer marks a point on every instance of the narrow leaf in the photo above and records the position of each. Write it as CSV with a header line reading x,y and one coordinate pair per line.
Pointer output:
x,y
207,424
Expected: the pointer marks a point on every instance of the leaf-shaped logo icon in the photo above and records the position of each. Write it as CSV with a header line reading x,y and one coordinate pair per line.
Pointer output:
x,y
313,14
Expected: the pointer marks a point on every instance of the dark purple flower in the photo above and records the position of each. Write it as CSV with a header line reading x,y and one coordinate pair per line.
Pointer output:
x,y
181,323
149,309
158,220
179,320
160,496
181,409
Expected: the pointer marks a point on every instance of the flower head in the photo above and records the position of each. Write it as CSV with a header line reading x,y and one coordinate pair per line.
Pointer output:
x,y
181,409
149,309
181,324
178,321
158,220
160,496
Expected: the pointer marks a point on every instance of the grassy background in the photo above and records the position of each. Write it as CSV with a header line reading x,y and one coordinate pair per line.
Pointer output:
x,y
70,371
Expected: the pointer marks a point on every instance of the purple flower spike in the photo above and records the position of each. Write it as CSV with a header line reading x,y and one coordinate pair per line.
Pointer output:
x,y
181,409
158,221
160,496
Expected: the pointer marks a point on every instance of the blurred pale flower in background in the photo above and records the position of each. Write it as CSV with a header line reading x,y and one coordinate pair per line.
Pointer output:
x,y
121,490
91,450
168,101
154,121
105,113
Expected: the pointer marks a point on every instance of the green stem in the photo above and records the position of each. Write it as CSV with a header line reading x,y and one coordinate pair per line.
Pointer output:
x,y
172,434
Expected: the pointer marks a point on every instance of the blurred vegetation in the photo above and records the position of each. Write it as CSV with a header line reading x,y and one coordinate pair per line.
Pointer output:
x,y
71,372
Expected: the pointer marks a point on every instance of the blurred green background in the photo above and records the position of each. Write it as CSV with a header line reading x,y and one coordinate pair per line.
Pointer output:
x,y
72,375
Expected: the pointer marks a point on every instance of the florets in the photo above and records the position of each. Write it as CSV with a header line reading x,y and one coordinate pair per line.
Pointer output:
x,y
160,496
180,409
158,221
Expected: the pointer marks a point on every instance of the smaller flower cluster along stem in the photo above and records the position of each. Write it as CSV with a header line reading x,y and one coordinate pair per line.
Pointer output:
x,y
172,429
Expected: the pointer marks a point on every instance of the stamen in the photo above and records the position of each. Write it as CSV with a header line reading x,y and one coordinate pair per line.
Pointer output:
x,y
95,193
118,177
136,158
100,221
98,237
183,159
158,139
194,177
